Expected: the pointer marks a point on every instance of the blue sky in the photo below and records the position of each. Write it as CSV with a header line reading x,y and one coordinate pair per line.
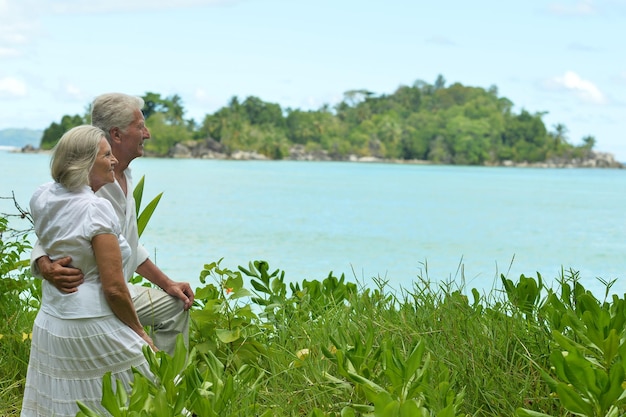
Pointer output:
x,y
563,57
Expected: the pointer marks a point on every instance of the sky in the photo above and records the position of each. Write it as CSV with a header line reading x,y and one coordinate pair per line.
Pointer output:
x,y
564,58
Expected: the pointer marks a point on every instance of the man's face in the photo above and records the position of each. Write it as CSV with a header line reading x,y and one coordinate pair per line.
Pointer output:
x,y
134,135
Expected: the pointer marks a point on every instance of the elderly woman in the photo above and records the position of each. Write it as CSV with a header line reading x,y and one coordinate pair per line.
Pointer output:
x,y
78,337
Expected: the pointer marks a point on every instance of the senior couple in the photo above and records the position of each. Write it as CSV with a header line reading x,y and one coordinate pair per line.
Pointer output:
x,y
91,320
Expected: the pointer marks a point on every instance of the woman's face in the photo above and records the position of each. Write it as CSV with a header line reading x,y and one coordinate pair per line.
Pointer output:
x,y
102,171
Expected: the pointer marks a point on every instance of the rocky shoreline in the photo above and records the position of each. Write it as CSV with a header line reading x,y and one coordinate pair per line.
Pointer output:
x,y
211,149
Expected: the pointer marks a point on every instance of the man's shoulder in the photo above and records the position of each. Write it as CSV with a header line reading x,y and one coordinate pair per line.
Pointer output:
x,y
112,192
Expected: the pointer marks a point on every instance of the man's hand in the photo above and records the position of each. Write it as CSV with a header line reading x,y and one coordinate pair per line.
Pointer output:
x,y
180,290
61,274
183,291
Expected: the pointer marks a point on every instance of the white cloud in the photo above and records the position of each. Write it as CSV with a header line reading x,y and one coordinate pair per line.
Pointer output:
x,y
73,92
81,6
201,96
17,28
584,89
12,87
579,8
577,46
316,102
440,40
20,19
8,52
199,102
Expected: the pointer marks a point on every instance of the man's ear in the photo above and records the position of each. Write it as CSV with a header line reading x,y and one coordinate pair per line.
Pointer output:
x,y
116,134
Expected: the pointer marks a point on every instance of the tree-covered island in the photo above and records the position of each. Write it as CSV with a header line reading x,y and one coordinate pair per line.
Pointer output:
x,y
456,124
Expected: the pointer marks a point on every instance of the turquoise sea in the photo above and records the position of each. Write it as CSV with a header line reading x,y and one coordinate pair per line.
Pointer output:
x,y
465,225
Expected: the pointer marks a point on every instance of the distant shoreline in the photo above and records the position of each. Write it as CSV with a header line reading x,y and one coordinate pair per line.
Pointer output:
x,y
601,160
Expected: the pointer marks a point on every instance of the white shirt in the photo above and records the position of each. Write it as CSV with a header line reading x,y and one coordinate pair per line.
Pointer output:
x,y
125,209
65,222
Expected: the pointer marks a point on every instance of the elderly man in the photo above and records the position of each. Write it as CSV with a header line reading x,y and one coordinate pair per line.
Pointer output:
x,y
167,311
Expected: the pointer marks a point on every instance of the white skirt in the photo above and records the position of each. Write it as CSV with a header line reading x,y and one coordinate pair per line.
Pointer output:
x,y
68,359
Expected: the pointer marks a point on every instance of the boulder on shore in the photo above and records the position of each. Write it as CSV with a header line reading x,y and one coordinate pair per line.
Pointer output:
x,y
592,160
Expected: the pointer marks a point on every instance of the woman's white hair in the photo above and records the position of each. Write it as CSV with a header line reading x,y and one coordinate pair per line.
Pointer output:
x,y
74,156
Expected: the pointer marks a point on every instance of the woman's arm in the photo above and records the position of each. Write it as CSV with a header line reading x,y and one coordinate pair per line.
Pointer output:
x,y
109,260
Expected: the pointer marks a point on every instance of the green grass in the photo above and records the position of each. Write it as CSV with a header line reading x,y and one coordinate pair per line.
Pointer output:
x,y
264,346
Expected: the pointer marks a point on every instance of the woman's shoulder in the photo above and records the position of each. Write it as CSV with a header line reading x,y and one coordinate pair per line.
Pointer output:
x,y
99,205
43,195
100,217
43,188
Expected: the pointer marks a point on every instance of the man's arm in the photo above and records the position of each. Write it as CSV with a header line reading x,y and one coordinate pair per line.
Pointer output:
x,y
59,273
35,254
181,290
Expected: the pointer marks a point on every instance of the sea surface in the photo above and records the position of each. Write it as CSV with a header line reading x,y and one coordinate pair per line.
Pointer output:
x,y
454,225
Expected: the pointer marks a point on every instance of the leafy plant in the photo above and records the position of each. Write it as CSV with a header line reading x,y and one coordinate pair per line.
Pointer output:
x,y
19,302
525,295
224,324
175,388
144,216
326,348
588,360
406,387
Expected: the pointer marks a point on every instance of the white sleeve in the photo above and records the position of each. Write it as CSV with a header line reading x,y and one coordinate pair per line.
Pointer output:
x,y
101,218
35,254
142,254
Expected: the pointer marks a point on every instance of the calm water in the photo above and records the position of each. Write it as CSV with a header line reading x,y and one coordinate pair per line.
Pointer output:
x,y
462,224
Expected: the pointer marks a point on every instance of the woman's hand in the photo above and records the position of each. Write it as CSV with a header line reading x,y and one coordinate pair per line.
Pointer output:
x,y
149,341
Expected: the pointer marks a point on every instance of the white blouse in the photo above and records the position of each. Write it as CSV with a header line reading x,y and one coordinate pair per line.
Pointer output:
x,y
65,223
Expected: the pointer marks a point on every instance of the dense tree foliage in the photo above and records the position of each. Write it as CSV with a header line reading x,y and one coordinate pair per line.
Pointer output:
x,y
449,125
53,133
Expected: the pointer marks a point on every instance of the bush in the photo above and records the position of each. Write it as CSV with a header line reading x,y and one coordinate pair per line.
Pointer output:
x,y
19,301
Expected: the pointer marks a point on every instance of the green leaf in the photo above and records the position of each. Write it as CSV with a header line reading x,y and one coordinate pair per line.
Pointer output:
x,y
146,214
572,401
180,355
261,287
120,393
347,412
371,385
409,408
611,345
227,336
109,400
239,293
522,412
391,409
86,411
447,412
140,393
615,390
415,360
138,194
